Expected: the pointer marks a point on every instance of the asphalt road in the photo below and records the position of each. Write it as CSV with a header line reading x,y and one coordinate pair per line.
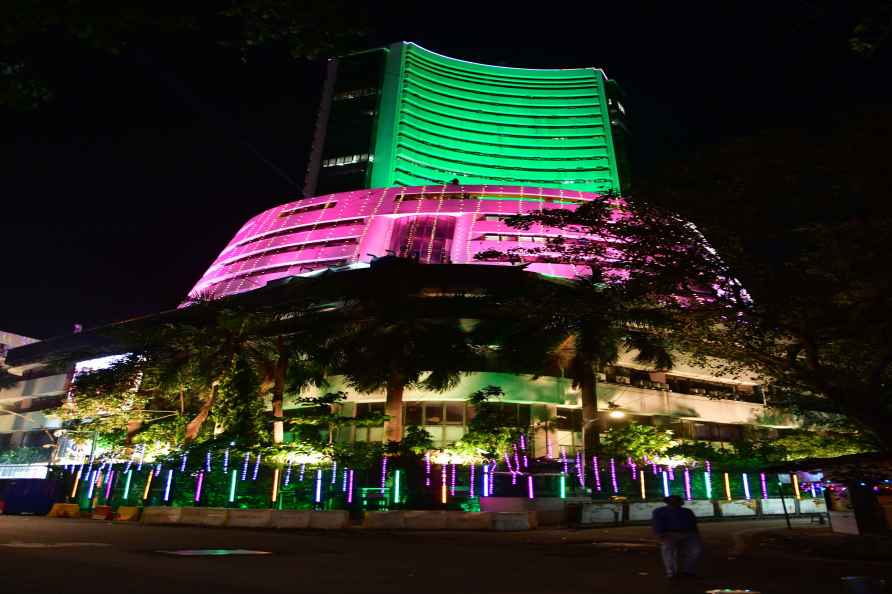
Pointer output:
x,y
71,556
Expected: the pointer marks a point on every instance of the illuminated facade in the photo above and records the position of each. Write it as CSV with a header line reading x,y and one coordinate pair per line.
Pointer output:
x,y
422,156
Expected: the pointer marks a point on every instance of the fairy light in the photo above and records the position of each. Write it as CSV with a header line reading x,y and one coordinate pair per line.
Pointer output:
x,y
523,442
471,480
318,497
564,459
665,484
226,461
77,479
442,483
198,484
384,472
183,460
764,484
634,468
334,472
580,469
344,482
207,461
300,476
232,483
452,481
485,480
687,484
492,478
145,493
796,486
643,488
530,492
288,470
613,482
727,480
671,473
256,468
707,482
597,472
350,488
168,484
563,486
746,486
427,469
245,465
92,478
275,484
142,456
127,484
108,483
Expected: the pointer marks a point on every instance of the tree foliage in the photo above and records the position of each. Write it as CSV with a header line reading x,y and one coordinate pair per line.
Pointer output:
x,y
492,432
637,441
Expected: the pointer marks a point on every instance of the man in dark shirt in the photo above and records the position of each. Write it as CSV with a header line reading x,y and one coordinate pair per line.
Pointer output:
x,y
676,527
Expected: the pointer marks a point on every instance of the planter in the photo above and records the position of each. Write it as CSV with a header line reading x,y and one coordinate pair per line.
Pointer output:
x,y
329,520
513,521
772,507
64,510
161,515
643,511
128,513
426,520
291,519
456,520
702,508
812,506
102,512
386,520
743,507
600,513
249,518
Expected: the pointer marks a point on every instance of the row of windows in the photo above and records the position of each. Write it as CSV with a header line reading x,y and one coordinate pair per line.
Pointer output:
x,y
533,238
324,243
470,196
348,160
303,209
299,228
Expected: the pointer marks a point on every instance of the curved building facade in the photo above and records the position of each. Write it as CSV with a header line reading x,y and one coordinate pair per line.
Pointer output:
x,y
432,224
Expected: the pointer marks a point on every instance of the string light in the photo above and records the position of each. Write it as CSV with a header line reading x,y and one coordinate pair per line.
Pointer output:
x,y
665,484
350,488
492,478
207,461
384,472
746,486
232,482
580,469
142,456
127,484
168,484
727,482
471,480
597,472
764,483
318,497
157,470
198,483
564,458
687,484
452,481
443,483
300,477
245,466
108,483
530,492
613,482
256,468
344,483
654,468
334,472
427,469
288,470
183,459
226,461
634,468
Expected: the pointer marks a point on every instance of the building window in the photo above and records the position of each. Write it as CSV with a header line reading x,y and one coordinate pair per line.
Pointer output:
x,y
347,160
569,419
355,93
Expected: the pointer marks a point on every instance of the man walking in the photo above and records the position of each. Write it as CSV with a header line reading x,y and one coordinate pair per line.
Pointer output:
x,y
680,545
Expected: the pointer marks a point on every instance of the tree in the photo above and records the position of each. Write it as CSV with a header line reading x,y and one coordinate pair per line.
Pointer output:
x,y
637,441
583,324
808,241
134,31
492,432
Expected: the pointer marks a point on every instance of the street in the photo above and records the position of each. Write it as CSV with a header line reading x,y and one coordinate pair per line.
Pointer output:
x,y
56,555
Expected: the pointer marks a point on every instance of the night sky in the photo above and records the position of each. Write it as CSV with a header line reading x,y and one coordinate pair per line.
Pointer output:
x,y
116,197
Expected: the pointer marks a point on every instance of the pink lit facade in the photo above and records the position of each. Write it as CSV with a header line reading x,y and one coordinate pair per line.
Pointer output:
x,y
434,224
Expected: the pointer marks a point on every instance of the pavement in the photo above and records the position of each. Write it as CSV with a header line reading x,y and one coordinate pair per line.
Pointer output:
x,y
70,556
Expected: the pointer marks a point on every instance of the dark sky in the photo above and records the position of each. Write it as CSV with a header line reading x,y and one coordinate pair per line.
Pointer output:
x,y
116,197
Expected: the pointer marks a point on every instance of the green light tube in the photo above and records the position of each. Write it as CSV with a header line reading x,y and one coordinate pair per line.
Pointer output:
x,y
127,483
232,481
563,486
396,486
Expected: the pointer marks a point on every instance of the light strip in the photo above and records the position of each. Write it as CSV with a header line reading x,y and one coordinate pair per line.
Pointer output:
x,y
796,486
665,484
746,486
198,484
127,484
145,493
530,492
275,484
167,485
763,481
687,484
318,497
232,481
727,482
643,488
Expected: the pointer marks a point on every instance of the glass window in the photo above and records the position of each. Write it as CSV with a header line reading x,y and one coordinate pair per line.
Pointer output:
x,y
569,419
455,413
433,413
367,409
413,414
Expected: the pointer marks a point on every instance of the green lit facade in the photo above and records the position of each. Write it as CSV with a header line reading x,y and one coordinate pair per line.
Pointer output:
x,y
406,116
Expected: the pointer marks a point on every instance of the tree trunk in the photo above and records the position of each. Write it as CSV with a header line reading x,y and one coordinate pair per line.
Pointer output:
x,y
588,391
194,427
134,426
278,399
393,429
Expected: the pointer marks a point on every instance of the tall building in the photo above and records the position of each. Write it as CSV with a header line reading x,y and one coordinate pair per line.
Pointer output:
x,y
406,116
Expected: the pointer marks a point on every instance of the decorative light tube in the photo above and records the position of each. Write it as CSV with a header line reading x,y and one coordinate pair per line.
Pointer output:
x,y
198,484
597,472
427,469
245,465
207,461
726,479
108,483
275,484
485,480
563,486
764,484
471,479
183,460
746,486
452,481
318,496
334,471
383,472
288,470
796,486
232,483
396,486
665,484
443,483
350,488
643,488
530,492
256,468
127,484
613,482
226,461
145,493
168,484
687,484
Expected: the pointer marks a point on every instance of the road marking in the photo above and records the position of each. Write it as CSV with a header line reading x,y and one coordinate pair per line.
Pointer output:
x,y
51,545
214,552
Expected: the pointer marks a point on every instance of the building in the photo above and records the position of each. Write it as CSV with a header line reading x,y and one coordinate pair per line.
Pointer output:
x,y
406,116
422,156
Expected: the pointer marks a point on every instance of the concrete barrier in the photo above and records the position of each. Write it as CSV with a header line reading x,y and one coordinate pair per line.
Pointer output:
x,y
426,520
702,508
64,510
102,512
204,516
601,513
329,520
384,520
128,513
292,519
249,518
457,520
513,521
741,507
550,511
161,515
772,507
812,506
642,511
